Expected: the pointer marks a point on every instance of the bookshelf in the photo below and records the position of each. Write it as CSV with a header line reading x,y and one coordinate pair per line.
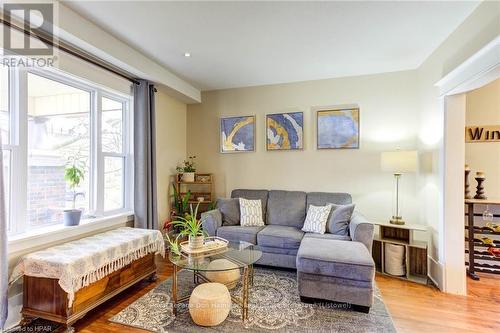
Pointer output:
x,y
202,189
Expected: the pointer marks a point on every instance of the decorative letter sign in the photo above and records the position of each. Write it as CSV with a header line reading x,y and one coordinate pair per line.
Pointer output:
x,y
482,133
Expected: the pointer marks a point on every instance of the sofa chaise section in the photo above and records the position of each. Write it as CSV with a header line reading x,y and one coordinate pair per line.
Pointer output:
x,y
337,269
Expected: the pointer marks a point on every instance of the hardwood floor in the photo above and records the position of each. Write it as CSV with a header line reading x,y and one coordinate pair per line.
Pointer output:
x,y
413,307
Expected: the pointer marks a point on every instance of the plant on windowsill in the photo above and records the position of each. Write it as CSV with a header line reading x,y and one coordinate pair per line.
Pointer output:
x,y
74,175
192,227
187,169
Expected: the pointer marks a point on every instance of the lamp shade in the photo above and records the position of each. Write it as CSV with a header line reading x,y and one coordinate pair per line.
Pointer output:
x,y
400,161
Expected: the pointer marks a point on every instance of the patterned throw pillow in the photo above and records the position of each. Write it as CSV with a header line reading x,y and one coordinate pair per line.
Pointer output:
x,y
316,219
251,213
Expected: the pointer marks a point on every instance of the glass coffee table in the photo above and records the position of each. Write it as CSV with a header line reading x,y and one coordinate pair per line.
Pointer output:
x,y
238,255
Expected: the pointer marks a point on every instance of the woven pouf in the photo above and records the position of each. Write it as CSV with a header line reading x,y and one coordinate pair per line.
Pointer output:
x,y
225,275
209,304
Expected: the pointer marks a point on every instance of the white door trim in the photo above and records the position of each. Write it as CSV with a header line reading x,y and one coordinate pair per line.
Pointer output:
x,y
480,69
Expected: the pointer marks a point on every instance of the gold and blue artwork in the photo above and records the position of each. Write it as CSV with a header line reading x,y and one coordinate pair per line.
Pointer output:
x,y
338,129
285,131
237,134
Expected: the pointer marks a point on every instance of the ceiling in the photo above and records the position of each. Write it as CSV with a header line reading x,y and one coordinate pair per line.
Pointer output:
x,y
236,44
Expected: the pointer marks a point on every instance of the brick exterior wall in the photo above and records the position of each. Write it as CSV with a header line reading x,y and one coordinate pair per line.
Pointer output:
x,y
46,194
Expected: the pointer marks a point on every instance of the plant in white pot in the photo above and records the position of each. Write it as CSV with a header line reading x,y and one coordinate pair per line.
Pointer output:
x,y
187,169
192,227
74,175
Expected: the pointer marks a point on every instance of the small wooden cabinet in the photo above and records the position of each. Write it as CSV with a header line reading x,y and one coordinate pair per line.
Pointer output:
x,y
415,252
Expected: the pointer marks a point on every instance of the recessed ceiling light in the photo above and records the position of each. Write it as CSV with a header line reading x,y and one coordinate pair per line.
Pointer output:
x,y
187,54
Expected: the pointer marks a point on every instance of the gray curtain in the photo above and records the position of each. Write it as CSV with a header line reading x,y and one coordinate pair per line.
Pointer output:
x,y
3,251
146,215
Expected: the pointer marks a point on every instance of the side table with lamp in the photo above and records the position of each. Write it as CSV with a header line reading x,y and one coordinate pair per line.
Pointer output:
x,y
396,252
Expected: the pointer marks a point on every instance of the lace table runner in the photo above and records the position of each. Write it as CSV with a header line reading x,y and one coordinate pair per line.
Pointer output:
x,y
79,263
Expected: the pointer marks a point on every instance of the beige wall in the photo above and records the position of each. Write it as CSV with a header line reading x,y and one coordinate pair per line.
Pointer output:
x,y
481,27
388,119
483,108
170,145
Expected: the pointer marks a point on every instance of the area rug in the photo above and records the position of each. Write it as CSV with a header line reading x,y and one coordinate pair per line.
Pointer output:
x,y
274,306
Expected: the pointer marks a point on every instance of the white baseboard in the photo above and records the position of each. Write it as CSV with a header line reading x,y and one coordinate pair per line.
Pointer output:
x,y
436,273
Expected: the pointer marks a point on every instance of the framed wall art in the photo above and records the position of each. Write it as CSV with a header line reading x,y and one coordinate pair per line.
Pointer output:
x,y
237,134
285,131
338,129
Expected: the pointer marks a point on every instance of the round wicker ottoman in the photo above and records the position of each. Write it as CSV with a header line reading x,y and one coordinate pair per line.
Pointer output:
x,y
228,277
209,304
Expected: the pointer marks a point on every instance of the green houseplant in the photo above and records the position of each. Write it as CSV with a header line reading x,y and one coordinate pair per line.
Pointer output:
x,y
181,202
187,169
192,227
74,175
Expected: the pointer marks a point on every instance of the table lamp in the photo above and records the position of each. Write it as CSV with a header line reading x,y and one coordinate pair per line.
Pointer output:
x,y
398,162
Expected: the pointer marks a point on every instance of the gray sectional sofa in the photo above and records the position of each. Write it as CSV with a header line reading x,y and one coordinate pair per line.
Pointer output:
x,y
329,266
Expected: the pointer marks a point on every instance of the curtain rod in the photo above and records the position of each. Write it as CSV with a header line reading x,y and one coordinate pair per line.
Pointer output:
x,y
74,51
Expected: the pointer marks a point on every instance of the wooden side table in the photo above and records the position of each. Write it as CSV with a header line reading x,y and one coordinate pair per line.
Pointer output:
x,y
415,251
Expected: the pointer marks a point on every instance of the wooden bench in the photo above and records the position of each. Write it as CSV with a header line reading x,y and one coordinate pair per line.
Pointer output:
x,y
121,262
44,298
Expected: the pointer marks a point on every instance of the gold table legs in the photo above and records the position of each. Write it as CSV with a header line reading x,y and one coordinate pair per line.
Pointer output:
x,y
247,280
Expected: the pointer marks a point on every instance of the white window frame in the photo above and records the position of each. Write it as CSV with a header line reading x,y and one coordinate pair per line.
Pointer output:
x,y
18,145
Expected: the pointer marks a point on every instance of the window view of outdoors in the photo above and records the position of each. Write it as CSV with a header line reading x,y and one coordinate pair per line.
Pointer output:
x,y
58,135
112,147
4,129
4,104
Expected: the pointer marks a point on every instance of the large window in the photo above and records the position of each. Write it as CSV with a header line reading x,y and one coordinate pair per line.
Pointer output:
x,y
50,121
5,136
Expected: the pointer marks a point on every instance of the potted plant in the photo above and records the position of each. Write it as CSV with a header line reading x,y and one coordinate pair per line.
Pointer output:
x,y
74,175
173,244
187,169
192,227
181,202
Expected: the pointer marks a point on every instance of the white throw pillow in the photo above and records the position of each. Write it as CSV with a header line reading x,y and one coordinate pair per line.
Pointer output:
x,y
316,219
251,213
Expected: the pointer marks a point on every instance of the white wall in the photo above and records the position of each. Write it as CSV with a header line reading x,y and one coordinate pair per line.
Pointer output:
x,y
481,27
483,108
388,120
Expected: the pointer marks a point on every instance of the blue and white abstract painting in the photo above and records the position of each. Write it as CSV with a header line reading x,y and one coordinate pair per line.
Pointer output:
x,y
285,131
338,129
237,134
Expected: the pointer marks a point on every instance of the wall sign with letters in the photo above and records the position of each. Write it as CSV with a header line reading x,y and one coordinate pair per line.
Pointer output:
x,y
489,133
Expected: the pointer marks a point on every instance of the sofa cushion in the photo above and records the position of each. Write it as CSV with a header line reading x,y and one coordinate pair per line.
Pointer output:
x,y
338,221
251,213
280,236
238,233
230,211
324,198
327,236
316,219
253,195
337,258
286,208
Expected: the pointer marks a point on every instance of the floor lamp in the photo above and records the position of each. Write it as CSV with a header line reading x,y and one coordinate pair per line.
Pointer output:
x,y
398,162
